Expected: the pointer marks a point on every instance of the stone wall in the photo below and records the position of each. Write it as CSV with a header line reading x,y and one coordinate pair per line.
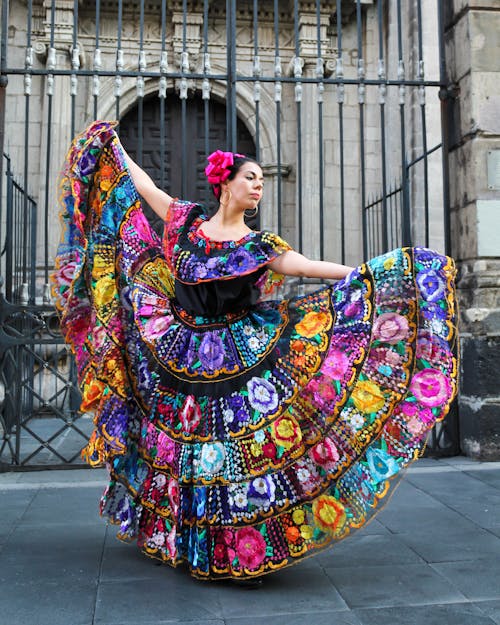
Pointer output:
x,y
473,58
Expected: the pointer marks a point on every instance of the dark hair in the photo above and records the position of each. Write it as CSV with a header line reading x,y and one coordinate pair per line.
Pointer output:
x,y
238,162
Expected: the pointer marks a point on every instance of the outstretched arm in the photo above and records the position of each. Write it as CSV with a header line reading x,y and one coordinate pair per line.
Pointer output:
x,y
156,198
294,264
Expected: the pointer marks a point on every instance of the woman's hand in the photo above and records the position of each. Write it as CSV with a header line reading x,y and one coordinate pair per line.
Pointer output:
x,y
155,197
294,264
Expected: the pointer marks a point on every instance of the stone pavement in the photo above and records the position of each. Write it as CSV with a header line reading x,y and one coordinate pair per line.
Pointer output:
x,y
432,557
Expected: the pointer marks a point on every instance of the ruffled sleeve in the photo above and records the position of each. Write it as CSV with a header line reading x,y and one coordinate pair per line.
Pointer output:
x,y
193,259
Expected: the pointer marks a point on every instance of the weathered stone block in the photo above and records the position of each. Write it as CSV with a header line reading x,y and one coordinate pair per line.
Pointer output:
x,y
479,399
480,429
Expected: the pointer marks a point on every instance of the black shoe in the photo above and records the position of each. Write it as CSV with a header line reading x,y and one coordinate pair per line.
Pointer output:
x,y
251,583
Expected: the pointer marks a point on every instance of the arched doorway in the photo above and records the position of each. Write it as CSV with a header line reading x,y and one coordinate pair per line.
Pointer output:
x,y
194,143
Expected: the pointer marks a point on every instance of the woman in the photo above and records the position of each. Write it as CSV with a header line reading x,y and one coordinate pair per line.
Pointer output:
x,y
241,433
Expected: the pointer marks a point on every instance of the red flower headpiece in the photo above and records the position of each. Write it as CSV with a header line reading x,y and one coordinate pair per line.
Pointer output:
x,y
218,168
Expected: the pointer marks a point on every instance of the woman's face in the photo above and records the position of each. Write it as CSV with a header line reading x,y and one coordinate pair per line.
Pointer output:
x,y
247,186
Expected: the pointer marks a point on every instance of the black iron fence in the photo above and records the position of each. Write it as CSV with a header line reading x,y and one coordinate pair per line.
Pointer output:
x,y
335,99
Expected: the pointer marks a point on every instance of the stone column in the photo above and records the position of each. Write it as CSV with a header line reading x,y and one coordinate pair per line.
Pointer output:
x,y
60,132
310,65
473,61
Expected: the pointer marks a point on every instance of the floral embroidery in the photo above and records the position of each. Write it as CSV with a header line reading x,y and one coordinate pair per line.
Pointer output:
x,y
212,457
286,432
241,442
367,396
382,465
311,324
431,285
250,547
430,387
390,328
329,514
262,395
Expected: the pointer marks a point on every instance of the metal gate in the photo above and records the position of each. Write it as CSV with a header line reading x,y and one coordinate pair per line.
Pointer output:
x,y
345,103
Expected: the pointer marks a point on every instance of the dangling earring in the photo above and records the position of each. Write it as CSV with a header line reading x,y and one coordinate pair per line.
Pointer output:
x,y
250,215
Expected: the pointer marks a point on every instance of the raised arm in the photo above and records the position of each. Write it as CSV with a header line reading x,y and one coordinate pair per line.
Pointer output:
x,y
294,264
156,198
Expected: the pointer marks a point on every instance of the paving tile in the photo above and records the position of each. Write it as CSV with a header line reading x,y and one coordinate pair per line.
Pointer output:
x,y
51,553
169,596
391,586
478,580
489,477
367,550
424,513
289,591
491,609
447,544
63,506
47,602
122,561
451,614
311,617
13,505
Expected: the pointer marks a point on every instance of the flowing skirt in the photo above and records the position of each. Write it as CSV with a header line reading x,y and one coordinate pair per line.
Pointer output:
x,y
241,443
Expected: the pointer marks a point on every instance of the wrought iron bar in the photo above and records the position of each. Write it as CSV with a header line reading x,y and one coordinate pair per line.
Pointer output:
x,y
277,99
297,72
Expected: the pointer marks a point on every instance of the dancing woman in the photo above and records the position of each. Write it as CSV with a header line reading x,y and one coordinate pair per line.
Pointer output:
x,y
241,432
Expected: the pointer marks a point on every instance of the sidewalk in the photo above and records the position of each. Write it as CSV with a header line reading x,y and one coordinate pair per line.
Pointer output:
x,y
432,557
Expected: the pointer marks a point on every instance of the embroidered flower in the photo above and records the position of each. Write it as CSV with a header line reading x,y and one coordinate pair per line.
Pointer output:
x,y
250,547
171,543
165,450
156,540
66,273
329,514
286,432
254,343
390,328
86,163
240,261
325,453
269,451
212,457
385,356
262,395
239,499
431,285
306,474
261,491
211,351
335,364
367,396
431,387
104,291
157,326
173,495
91,395
199,271
356,421
312,323
298,516
190,414
432,310
259,436
228,416
381,464
353,309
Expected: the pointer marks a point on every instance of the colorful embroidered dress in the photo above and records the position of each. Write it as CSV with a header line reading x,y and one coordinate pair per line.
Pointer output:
x,y
241,433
